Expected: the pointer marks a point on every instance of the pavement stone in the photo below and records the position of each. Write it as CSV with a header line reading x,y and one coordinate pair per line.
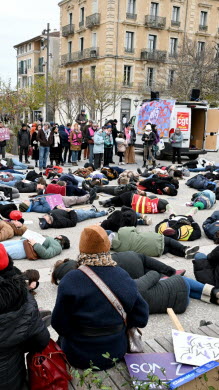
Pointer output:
x,y
159,325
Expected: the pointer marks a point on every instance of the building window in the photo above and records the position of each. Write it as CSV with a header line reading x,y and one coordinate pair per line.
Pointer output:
x,y
94,6
171,77
175,14
29,63
19,83
150,77
29,46
127,75
69,76
217,51
94,40
173,46
81,21
131,6
203,19
154,9
69,47
152,40
81,44
29,81
129,42
80,74
200,48
70,17
24,82
93,72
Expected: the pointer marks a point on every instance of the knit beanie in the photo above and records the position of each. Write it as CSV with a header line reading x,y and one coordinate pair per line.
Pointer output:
x,y
200,205
94,239
23,207
162,203
15,215
4,260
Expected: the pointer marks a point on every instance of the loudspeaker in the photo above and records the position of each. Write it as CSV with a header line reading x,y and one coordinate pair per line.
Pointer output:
x,y
195,95
154,95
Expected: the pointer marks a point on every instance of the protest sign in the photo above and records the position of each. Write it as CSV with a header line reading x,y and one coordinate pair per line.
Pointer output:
x,y
54,200
194,349
4,134
31,235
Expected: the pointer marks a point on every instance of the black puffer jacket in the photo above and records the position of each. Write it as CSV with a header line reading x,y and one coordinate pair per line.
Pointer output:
x,y
20,331
211,225
26,187
120,218
206,270
63,219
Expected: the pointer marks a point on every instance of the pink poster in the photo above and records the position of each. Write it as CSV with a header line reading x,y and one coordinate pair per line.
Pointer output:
x,y
4,134
54,200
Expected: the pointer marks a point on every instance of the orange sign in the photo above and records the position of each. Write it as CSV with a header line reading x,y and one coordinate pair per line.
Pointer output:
x,y
182,122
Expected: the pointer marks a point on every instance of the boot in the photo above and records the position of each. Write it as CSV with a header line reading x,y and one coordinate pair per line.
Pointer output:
x,y
105,203
214,297
139,171
36,164
207,293
144,164
154,164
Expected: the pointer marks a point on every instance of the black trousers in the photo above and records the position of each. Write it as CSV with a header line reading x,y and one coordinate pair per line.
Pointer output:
x,y
120,154
176,151
25,151
107,156
97,160
174,247
110,190
67,151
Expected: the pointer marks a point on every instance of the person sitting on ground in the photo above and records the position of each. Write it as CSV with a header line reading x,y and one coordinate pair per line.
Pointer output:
x,y
60,218
206,268
203,200
211,227
148,243
86,322
160,186
125,217
21,327
138,202
179,227
50,248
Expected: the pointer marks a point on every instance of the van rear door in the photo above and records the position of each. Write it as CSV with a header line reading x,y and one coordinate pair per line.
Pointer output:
x,y
212,129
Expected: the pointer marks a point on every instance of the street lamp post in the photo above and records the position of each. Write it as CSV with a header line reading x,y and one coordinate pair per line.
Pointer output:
x,y
47,70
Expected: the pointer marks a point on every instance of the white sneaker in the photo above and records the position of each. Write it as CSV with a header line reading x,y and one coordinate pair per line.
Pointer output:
x,y
122,163
119,163
147,220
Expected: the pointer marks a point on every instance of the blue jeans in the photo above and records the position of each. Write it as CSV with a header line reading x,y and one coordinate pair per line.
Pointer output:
x,y
74,155
15,249
91,151
18,165
195,287
82,215
43,155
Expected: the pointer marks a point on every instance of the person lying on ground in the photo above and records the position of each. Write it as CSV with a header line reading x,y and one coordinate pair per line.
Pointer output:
x,y
63,188
163,171
10,229
211,227
37,205
206,268
124,217
21,327
203,200
24,187
160,186
60,218
179,227
112,190
50,248
160,293
148,243
137,201
82,310
10,179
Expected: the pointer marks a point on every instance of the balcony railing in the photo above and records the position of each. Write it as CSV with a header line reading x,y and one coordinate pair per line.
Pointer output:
x,y
81,23
93,20
155,21
22,71
203,28
173,54
175,23
68,29
131,16
77,56
155,55
39,69
129,49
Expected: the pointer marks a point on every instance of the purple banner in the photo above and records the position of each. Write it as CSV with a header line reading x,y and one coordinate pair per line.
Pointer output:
x,y
54,200
142,364
4,134
158,113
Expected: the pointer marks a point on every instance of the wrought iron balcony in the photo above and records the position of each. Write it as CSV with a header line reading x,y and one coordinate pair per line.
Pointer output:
x,y
86,54
93,20
131,16
154,56
68,29
22,71
203,27
175,23
155,21
39,69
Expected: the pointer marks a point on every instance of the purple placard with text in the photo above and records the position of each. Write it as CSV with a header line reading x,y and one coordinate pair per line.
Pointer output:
x,y
54,200
4,134
142,364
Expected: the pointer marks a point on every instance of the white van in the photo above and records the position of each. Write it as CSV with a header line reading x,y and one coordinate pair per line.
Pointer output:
x,y
198,123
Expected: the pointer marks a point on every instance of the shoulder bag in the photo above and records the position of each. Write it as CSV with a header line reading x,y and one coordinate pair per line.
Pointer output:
x,y
134,334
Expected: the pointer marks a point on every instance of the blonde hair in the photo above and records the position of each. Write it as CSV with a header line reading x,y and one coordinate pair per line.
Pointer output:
x,y
75,125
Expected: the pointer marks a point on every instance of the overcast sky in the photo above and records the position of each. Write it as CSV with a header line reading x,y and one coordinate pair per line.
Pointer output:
x,y
21,20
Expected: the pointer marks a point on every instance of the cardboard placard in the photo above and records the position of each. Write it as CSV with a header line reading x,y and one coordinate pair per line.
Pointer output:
x,y
194,349
31,235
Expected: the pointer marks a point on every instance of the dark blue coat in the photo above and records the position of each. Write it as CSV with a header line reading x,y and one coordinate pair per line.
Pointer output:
x,y
81,303
211,225
64,134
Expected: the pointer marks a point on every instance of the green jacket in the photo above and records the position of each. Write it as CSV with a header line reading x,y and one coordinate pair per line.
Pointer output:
x,y
129,239
48,249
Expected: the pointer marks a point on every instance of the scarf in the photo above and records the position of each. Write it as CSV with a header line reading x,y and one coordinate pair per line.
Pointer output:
x,y
96,260
56,140
47,133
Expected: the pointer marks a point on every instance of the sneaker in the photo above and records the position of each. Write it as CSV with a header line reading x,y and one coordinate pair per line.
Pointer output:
x,y
139,171
147,220
85,186
111,209
94,208
122,163
119,163
180,272
191,251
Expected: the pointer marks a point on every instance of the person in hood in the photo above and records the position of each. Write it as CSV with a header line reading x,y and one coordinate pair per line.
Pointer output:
x,y
98,149
160,186
23,140
203,200
21,327
148,139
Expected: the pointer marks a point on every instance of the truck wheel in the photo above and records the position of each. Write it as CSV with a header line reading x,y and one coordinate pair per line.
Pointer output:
x,y
193,156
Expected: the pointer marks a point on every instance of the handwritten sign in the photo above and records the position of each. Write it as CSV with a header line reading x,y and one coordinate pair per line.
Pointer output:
x,y
142,364
194,349
54,200
4,134
158,113
31,235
